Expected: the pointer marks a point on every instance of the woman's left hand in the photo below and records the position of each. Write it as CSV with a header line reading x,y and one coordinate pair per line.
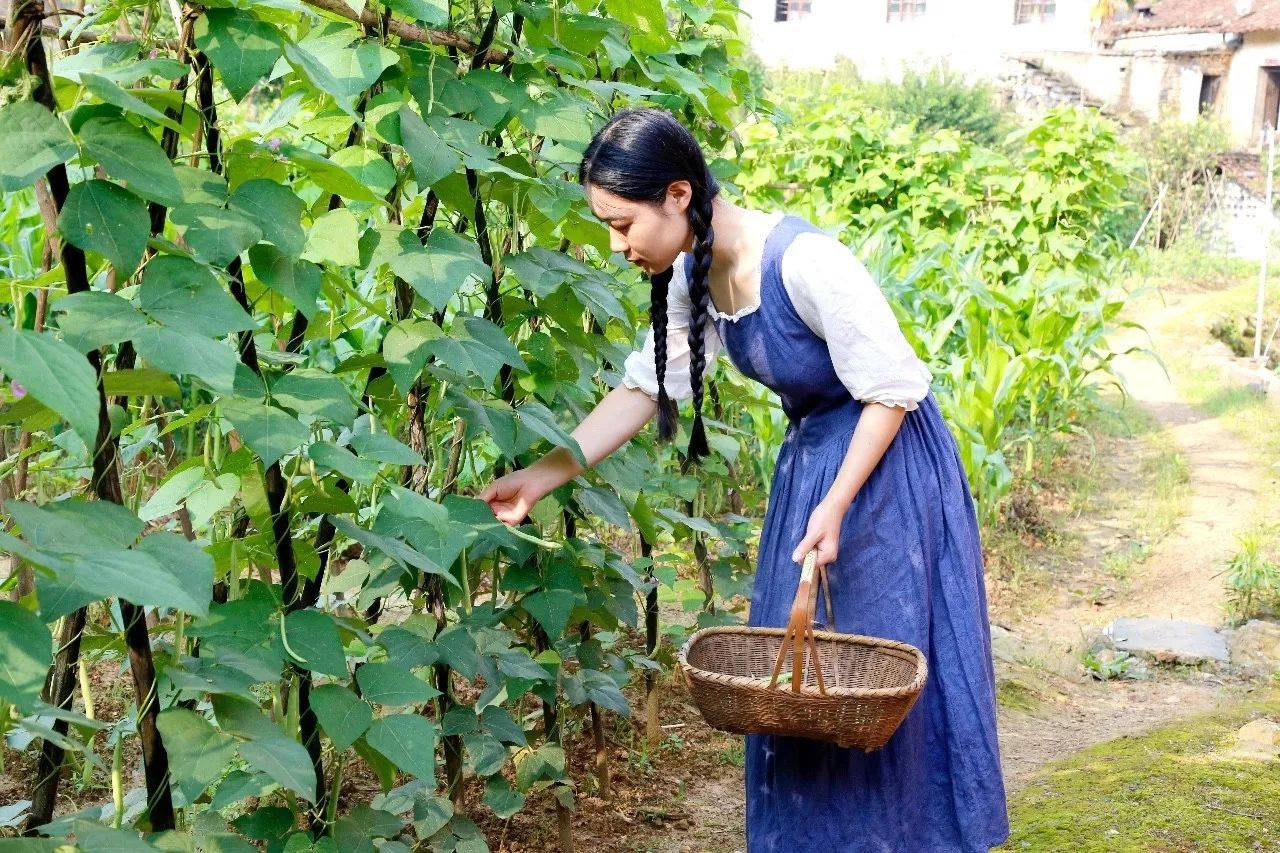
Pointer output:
x,y
823,533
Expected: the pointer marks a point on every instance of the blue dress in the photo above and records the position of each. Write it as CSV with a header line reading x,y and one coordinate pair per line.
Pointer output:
x,y
909,568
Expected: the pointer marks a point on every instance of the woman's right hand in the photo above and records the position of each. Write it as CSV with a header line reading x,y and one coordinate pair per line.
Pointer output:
x,y
513,495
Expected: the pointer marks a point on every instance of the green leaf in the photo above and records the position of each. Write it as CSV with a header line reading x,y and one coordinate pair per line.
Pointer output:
x,y
432,159
343,715
334,238
215,234
381,447
101,217
26,653
408,741
55,374
95,318
198,753
499,796
539,419
269,432
433,13
186,296
481,349
140,382
328,60
242,48
212,362
486,752
391,684
284,760
200,186
327,175
310,391
404,555
35,140
96,837
132,155
297,281
187,567
76,526
113,94
329,455
439,270
405,350
368,167
551,608
276,210
315,643
187,485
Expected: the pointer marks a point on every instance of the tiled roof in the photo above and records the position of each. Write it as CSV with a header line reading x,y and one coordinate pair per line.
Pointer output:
x,y
1213,16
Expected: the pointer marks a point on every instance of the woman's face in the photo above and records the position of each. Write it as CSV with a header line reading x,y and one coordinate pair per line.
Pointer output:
x,y
649,234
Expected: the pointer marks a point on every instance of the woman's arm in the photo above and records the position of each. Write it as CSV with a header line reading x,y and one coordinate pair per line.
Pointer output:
x,y
620,415
877,426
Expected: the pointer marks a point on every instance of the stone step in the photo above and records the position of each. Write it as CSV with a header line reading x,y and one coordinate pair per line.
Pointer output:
x,y
1175,641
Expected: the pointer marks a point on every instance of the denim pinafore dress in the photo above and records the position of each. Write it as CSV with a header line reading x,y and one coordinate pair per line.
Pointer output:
x,y
909,568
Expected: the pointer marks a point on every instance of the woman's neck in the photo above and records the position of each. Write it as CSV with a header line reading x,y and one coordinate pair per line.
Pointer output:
x,y
732,237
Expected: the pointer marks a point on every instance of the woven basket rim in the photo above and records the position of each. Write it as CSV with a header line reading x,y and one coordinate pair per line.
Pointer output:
x,y
762,684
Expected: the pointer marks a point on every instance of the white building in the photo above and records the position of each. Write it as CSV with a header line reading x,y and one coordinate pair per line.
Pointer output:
x,y
881,36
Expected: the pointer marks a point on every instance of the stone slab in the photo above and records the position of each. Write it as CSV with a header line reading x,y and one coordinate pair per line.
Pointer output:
x,y
1169,640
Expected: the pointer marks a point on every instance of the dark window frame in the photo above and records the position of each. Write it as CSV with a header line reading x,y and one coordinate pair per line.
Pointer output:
x,y
791,10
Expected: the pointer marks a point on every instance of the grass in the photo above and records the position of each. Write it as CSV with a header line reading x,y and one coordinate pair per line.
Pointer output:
x,y
1173,789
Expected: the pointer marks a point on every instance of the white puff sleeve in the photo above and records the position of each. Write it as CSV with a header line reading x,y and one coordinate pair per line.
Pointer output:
x,y
639,370
834,294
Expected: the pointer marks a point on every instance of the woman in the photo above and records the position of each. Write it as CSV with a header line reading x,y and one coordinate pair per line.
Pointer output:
x,y
868,475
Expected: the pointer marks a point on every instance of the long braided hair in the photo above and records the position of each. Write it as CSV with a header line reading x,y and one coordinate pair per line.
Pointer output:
x,y
637,155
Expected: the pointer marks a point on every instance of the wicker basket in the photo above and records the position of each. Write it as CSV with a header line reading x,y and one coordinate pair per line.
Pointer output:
x,y
855,691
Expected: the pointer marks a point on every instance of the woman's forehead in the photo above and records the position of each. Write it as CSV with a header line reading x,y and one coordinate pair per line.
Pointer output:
x,y
607,206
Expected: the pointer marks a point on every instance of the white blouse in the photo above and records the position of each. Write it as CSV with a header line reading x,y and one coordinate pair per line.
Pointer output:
x,y
837,299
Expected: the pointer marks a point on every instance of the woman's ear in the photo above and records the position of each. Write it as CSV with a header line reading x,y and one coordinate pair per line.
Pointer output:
x,y
679,195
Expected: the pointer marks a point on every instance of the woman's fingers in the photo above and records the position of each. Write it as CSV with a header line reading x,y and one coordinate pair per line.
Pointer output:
x,y
806,545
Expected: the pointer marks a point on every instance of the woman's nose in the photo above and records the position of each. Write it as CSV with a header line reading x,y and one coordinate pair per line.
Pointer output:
x,y
616,243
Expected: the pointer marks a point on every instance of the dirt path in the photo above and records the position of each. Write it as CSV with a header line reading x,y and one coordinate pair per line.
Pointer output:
x,y
1175,581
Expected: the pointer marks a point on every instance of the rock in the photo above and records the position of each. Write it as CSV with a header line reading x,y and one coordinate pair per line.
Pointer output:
x,y
1005,645
1169,640
1259,739
1255,648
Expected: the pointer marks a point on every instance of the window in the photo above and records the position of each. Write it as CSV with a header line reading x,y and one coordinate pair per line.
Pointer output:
x,y
791,10
1209,85
904,10
1033,11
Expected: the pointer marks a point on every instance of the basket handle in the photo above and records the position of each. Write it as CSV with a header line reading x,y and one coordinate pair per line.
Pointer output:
x,y
799,633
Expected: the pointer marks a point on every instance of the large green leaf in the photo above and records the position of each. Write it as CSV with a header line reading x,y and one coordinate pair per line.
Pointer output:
x,y
408,741
432,158
242,48
198,753
329,455
405,350
334,238
186,296
314,642
132,155
269,432
381,447
35,140
368,167
284,760
478,347
140,382
26,653
186,564
310,391
108,91
214,363
76,526
276,210
215,234
551,608
441,268
102,217
433,13
297,281
55,374
329,60
95,318
343,715
392,684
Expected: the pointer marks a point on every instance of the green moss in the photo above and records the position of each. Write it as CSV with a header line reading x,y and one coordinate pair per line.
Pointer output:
x,y
1173,789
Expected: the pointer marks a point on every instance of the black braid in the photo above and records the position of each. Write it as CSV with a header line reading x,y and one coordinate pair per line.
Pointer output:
x,y
637,155
658,322
700,298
